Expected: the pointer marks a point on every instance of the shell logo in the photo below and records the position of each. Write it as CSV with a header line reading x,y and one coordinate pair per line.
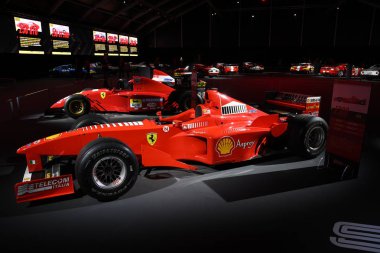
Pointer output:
x,y
225,145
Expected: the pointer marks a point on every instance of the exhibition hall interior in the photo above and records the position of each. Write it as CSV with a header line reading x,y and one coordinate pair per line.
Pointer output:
x,y
192,125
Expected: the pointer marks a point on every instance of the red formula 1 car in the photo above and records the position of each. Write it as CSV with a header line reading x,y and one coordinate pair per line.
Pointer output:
x,y
339,70
108,157
140,95
228,68
302,68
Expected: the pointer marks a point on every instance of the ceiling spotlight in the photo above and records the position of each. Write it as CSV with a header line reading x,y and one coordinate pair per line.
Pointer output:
x,y
238,2
295,15
124,2
252,16
337,8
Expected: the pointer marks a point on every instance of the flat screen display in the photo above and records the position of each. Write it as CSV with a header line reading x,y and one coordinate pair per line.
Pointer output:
x,y
100,42
29,36
133,46
60,36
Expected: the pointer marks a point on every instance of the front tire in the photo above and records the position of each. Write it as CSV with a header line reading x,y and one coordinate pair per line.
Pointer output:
x,y
76,106
307,135
106,169
89,120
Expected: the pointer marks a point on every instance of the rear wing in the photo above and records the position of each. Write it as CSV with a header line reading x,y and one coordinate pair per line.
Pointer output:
x,y
288,102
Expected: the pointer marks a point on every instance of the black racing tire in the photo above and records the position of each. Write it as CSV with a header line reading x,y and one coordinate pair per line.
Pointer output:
x,y
340,73
184,100
85,89
89,120
106,169
76,106
307,135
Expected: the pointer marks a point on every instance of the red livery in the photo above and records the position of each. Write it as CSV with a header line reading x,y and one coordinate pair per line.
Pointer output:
x,y
339,70
108,157
140,95
228,68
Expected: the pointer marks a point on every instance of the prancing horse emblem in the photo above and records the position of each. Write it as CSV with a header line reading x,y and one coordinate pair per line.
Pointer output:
x,y
102,95
151,138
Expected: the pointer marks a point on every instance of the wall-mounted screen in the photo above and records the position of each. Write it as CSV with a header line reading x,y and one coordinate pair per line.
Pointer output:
x,y
60,37
100,40
133,51
113,43
29,36
124,48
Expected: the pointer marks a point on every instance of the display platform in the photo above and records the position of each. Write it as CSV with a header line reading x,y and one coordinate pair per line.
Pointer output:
x,y
284,203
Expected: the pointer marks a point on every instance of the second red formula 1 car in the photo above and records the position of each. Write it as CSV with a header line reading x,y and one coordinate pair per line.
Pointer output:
x,y
108,157
140,95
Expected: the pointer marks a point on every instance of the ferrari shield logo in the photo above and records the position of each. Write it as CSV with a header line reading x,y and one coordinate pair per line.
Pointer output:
x,y
151,138
102,95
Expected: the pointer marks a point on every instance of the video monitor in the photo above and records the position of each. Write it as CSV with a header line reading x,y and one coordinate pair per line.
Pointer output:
x,y
29,36
60,37
100,42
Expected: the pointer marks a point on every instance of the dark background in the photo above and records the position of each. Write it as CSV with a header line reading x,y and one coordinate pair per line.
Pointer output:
x,y
280,33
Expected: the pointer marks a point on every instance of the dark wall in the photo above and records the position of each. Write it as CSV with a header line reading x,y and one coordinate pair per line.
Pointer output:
x,y
290,39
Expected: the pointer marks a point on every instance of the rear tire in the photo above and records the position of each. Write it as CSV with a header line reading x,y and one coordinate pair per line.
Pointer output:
x,y
307,135
106,169
76,106
340,73
89,120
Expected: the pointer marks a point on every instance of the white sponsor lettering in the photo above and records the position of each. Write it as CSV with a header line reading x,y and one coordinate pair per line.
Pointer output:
x,y
43,186
243,145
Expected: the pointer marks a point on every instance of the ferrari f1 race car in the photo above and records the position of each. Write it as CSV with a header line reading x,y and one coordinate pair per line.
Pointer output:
x,y
108,157
137,96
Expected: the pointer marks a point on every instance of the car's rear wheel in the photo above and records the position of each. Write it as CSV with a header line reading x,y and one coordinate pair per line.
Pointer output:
x,y
307,135
340,73
76,106
89,120
106,169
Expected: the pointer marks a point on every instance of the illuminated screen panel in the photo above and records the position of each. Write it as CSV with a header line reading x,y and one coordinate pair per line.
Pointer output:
x,y
29,34
100,41
113,44
60,36
123,42
133,50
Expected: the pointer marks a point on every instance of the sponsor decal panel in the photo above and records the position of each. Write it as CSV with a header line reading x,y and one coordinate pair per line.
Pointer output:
x,y
166,129
151,138
44,188
226,144
52,137
135,103
362,237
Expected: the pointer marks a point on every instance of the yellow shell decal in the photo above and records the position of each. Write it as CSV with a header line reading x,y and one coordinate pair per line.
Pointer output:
x,y
151,138
51,137
103,95
225,145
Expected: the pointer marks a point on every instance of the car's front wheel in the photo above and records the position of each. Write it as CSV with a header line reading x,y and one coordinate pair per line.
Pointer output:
x,y
89,120
76,106
106,169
